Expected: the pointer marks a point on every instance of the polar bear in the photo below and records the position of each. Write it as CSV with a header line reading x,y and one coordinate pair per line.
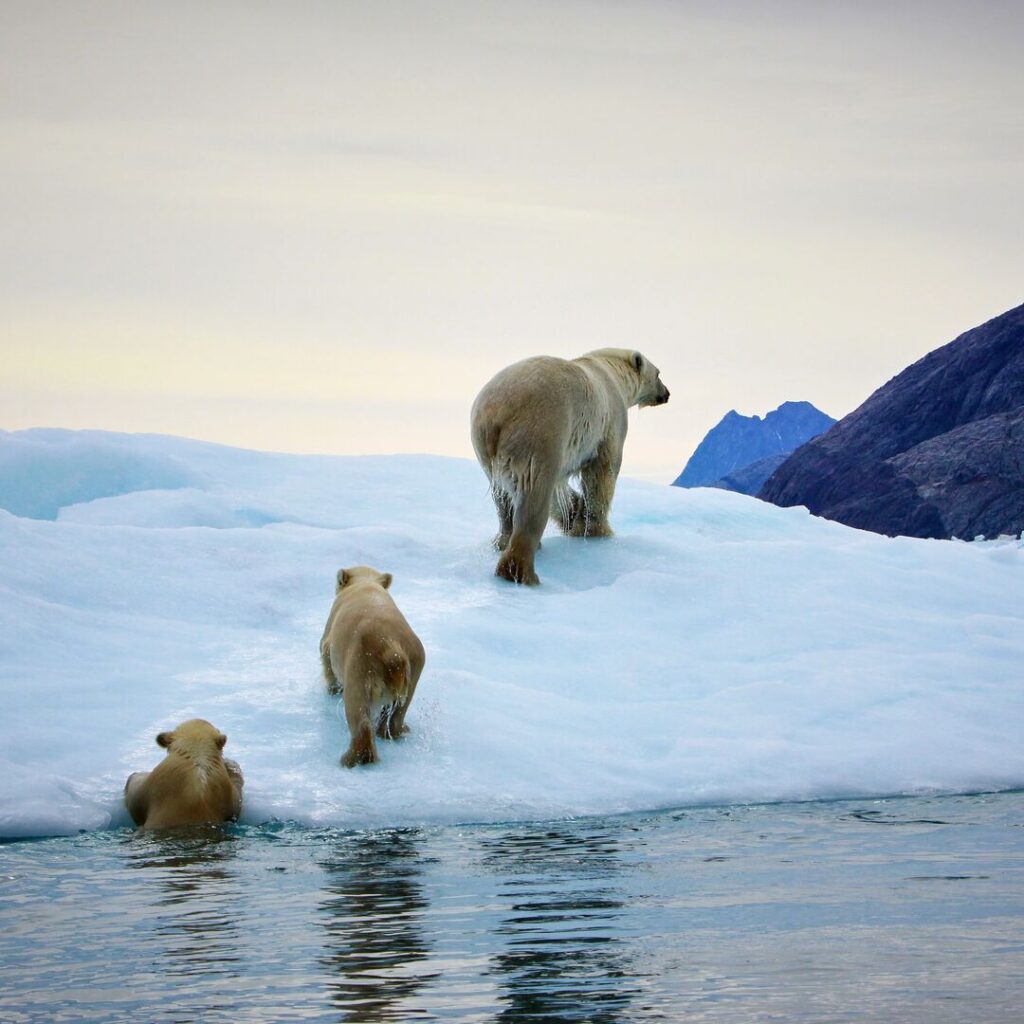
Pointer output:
x,y
371,655
194,783
543,420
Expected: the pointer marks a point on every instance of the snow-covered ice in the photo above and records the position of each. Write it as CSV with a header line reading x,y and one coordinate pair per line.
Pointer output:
x,y
717,649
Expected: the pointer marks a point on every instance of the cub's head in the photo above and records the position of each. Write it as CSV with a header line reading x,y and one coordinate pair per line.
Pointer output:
x,y
361,574
652,391
196,735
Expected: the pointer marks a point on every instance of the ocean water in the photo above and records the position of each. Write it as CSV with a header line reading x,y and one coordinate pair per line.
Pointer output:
x,y
894,910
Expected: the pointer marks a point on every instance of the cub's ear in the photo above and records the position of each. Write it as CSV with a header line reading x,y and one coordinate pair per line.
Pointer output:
x,y
637,360
221,740
385,580
343,577
164,738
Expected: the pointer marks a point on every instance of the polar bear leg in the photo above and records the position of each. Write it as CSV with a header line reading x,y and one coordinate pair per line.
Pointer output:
x,y
529,517
565,507
391,723
597,481
396,724
362,749
333,685
136,796
503,506
237,783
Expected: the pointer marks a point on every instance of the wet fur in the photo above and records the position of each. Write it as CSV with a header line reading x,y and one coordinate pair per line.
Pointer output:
x,y
371,656
541,422
193,784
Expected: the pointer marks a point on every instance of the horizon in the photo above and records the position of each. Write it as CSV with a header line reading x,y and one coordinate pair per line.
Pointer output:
x,y
323,229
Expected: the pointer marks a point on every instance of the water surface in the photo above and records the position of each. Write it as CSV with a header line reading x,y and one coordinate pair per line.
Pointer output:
x,y
884,910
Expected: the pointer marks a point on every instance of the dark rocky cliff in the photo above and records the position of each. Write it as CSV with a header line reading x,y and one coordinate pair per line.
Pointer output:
x,y
750,479
938,451
737,441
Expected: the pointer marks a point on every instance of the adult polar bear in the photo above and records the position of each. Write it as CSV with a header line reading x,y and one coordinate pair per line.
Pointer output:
x,y
541,421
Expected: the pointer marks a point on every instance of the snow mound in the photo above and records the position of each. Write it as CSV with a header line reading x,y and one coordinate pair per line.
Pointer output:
x,y
43,470
718,649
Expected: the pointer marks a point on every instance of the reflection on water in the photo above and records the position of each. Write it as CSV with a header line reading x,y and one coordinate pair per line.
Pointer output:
x,y
373,911
562,958
802,913
196,891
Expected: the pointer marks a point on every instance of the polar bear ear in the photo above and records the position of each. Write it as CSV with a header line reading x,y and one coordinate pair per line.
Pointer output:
x,y
221,740
343,577
385,580
164,738
637,360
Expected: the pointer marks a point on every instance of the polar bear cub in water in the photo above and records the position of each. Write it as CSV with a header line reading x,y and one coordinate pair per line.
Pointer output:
x,y
194,783
371,655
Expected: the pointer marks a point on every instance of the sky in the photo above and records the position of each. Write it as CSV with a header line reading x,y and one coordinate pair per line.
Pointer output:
x,y
322,227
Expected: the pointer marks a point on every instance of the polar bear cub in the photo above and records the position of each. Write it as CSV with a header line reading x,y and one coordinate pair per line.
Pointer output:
x,y
194,783
371,655
540,422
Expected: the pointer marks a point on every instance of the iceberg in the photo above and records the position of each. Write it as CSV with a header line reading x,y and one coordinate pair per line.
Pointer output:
x,y
716,650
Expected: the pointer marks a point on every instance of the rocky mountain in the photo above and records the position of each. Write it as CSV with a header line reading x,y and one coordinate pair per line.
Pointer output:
x,y
738,441
750,479
938,451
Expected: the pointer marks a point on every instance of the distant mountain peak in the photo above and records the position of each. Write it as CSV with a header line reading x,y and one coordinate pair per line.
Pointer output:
x,y
736,441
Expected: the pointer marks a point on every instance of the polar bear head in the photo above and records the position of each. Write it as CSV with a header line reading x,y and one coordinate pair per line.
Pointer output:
x,y
195,736
361,573
640,378
651,390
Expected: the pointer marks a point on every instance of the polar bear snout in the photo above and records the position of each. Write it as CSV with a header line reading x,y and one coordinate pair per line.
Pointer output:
x,y
660,396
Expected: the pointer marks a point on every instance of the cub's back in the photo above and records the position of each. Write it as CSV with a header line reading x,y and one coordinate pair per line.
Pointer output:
x,y
182,792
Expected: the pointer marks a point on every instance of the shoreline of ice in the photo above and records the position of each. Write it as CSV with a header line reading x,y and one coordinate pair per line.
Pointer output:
x,y
717,650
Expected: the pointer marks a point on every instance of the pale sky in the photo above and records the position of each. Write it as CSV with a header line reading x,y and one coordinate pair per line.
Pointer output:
x,y
321,227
